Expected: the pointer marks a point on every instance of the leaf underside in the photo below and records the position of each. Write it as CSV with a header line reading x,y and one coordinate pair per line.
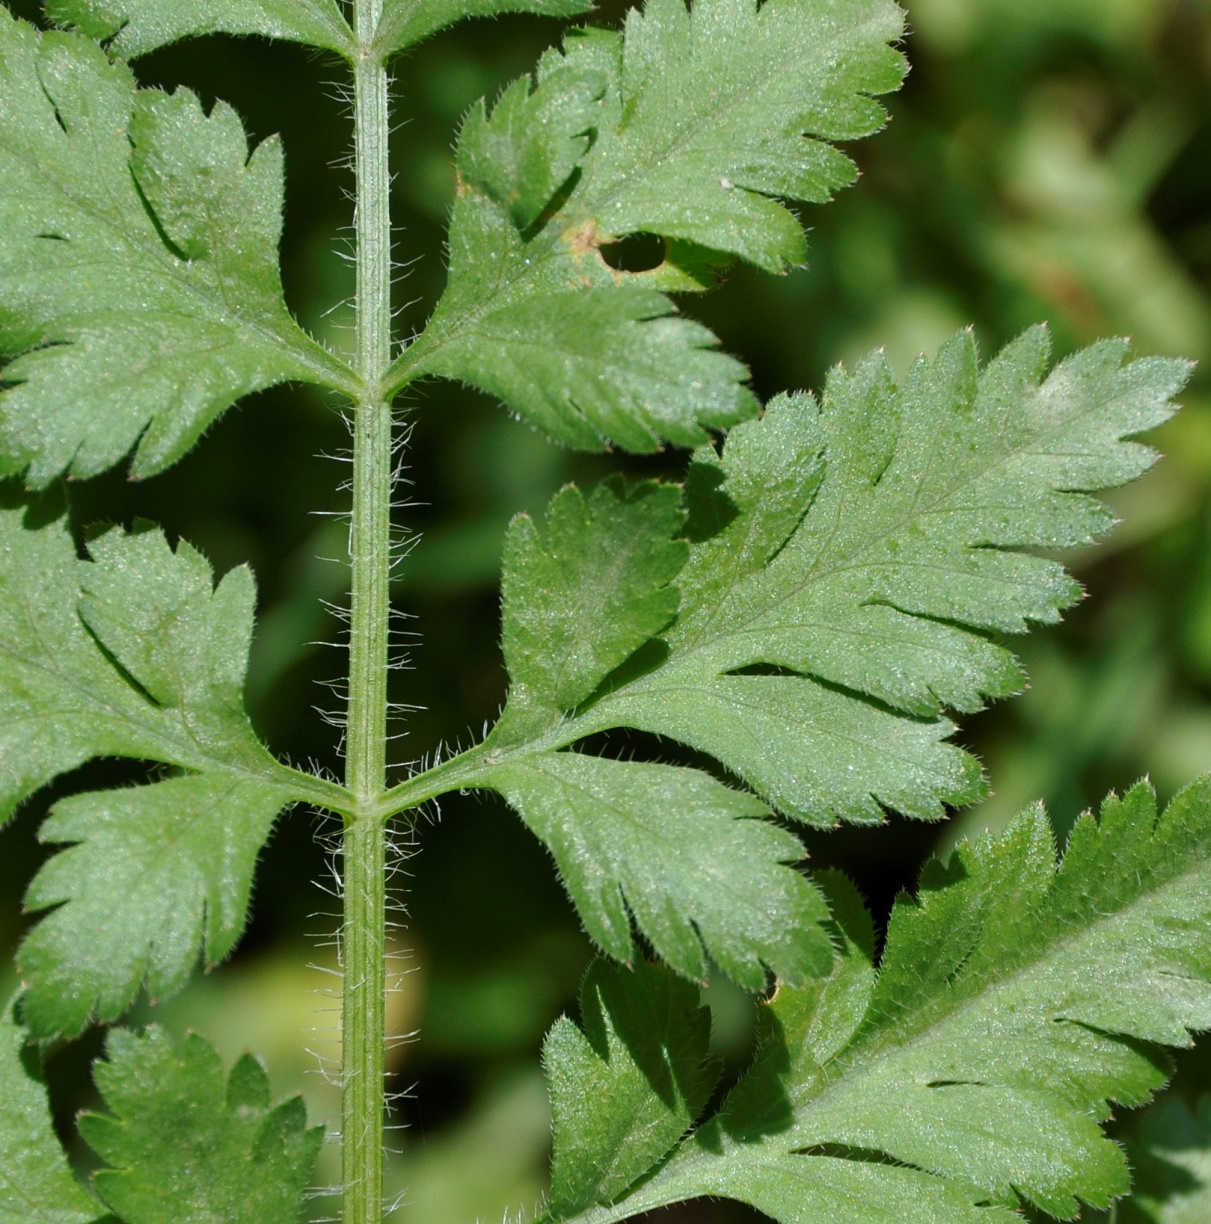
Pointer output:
x,y
183,1144
139,283
133,653
832,584
687,125
1016,1002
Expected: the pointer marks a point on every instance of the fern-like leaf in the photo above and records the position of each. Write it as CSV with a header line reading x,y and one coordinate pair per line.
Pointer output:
x,y
848,563
689,125
139,279
133,653
1016,1002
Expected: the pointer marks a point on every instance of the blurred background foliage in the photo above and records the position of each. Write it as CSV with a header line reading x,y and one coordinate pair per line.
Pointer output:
x,y
1047,159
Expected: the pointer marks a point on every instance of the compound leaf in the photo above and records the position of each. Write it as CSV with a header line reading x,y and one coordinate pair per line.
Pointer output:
x,y
1170,1155
36,1184
588,363
1016,1002
184,1145
718,112
138,264
134,653
138,26
904,557
641,1055
848,562
689,126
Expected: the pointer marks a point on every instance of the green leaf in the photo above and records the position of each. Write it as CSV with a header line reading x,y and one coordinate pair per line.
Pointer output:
x,y
587,360
151,667
534,140
184,1146
878,583
689,858
36,1185
158,873
1017,1000
406,22
579,602
139,26
138,264
848,563
705,120
1170,1156
669,846
718,112
70,690
641,1059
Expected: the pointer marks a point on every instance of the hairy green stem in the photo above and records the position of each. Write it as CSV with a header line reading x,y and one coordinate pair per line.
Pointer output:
x,y
364,850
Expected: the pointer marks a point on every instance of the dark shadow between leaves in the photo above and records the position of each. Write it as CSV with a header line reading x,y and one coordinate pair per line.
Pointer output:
x,y
710,508
41,508
644,1030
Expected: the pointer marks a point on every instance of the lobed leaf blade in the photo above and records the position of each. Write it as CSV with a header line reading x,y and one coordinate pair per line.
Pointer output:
x,y
689,859
183,1144
1017,1000
155,875
70,691
706,118
138,265
888,551
848,564
132,653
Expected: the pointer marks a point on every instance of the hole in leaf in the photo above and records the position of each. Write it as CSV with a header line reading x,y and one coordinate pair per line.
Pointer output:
x,y
635,253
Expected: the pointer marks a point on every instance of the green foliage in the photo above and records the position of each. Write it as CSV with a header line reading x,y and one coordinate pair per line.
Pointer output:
x,y
1015,1001
138,264
642,1058
183,1144
696,121
702,675
138,26
179,857
132,653
823,541
36,1185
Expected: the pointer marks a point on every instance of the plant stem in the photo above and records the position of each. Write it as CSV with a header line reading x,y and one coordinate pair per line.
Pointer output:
x,y
364,850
